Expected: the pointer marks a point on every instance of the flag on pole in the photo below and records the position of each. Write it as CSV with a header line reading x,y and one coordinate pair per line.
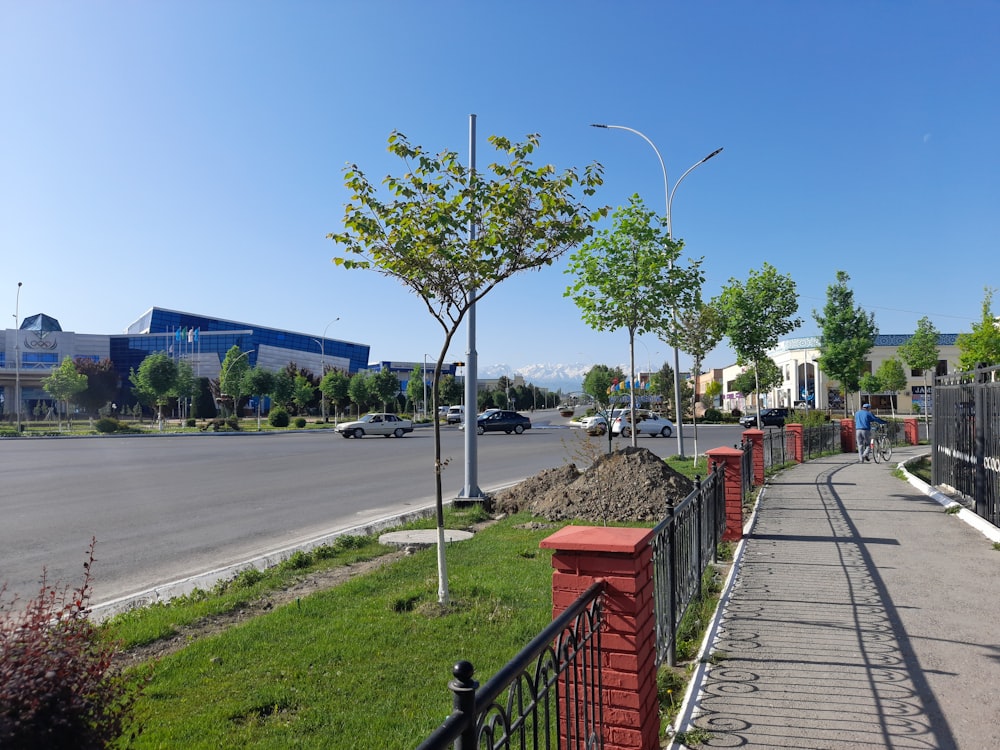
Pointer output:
x,y
190,335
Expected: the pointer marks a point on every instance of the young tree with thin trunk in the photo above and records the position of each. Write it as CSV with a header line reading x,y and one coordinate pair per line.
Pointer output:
x,y
450,234
156,379
757,313
627,278
893,379
920,352
699,329
847,334
64,383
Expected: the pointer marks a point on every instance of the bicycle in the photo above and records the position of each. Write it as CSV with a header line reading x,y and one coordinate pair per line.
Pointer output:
x,y
881,447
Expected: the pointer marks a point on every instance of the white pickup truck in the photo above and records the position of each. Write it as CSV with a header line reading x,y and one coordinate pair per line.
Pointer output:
x,y
387,425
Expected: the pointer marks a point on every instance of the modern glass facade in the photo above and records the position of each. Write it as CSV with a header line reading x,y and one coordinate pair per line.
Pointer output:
x,y
201,340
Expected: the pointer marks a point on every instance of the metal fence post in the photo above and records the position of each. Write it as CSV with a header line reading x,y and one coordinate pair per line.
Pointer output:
x,y
463,689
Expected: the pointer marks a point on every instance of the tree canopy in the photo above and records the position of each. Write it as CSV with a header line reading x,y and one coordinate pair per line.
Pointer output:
x,y
981,347
847,334
450,234
757,313
65,383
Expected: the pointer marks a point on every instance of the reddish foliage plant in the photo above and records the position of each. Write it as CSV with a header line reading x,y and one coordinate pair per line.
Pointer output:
x,y
57,689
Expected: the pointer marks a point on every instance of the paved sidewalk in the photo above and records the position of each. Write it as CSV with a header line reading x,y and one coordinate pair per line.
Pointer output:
x,y
861,615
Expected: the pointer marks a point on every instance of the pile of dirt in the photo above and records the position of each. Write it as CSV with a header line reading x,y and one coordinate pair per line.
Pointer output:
x,y
631,484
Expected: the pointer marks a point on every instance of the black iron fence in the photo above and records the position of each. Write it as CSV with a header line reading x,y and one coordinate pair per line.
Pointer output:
x,y
683,545
547,696
778,448
820,440
966,438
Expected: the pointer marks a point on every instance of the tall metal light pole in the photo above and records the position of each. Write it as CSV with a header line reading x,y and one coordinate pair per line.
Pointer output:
x,y
669,194
423,376
322,365
17,357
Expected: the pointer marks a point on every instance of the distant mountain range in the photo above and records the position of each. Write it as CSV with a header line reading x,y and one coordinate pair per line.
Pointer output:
x,y
556,377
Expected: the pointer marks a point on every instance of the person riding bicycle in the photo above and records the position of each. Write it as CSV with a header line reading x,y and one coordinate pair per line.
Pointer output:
x,y
863,420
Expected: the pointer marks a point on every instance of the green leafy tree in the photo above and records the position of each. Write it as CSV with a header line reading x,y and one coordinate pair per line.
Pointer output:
x,y
757,313
303,394
155,380
892,376
920,352
64,384
712,391
869,383
981,347
361,391
283,387
385,387
234,368
258,382
759,379
203,405
416,388
450,234
599,384
185,386
450,390
847,334
102,383
696,329
334,386
627,277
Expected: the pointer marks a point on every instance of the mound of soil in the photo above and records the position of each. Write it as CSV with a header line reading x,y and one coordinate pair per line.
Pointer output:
x,y
631,484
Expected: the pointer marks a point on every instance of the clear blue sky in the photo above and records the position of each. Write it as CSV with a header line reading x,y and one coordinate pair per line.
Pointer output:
x,y
189,155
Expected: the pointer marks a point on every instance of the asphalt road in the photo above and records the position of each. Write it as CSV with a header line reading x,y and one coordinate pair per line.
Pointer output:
x,y
165,508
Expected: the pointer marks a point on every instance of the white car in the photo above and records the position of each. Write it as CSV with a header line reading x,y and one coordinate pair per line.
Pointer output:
x,y
596,424
387,425
647,423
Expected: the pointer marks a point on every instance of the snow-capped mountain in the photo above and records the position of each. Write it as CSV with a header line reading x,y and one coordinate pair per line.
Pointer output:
x,y
567,378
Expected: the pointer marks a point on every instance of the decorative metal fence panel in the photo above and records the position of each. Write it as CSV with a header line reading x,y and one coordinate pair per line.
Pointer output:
x,y
683,545
546,697
819,440
778,448
966,438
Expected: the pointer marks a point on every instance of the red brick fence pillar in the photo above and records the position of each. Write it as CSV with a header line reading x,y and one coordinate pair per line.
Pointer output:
x,y
798,447
757,438
848,438
624,559
732,461
911,428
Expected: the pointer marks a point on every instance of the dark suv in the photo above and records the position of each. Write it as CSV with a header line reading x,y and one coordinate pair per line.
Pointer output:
x,y
768,418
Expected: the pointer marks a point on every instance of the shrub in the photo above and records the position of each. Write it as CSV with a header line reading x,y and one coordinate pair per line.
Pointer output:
x,y
712,415
300,422
222,425
190,422
278,418
107,425
736,413
57,689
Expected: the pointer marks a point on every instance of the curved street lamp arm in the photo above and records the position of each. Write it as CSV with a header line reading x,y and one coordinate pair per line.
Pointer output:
x,y
670,200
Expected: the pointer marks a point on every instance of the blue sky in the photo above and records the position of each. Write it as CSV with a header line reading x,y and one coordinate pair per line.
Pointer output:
x,y
189,155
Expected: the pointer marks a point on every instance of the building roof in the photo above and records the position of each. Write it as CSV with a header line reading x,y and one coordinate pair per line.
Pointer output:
x,y
40,322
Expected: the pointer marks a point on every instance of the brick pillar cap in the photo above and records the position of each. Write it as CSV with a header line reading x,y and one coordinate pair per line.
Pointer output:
x,y
724,452
598,539
753,431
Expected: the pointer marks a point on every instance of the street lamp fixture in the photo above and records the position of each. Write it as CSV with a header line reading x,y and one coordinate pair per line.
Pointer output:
x,y
669,195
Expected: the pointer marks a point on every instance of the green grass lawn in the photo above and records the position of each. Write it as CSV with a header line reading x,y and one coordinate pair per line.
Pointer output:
x,y
363,664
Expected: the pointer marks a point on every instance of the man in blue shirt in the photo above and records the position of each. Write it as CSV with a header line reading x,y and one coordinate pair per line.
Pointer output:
x,y
863,419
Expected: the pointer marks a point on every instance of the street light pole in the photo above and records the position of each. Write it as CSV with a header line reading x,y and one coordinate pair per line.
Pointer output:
x,y
17,357
322,366
669,194
423,376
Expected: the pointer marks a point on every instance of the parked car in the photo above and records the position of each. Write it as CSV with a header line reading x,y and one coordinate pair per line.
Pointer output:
x,y
647,423
502,420
387,425
774,417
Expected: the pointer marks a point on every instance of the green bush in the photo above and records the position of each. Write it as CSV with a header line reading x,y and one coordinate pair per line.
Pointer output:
x,y
190,422
58,689
712,415
300,422
107,425
278,418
